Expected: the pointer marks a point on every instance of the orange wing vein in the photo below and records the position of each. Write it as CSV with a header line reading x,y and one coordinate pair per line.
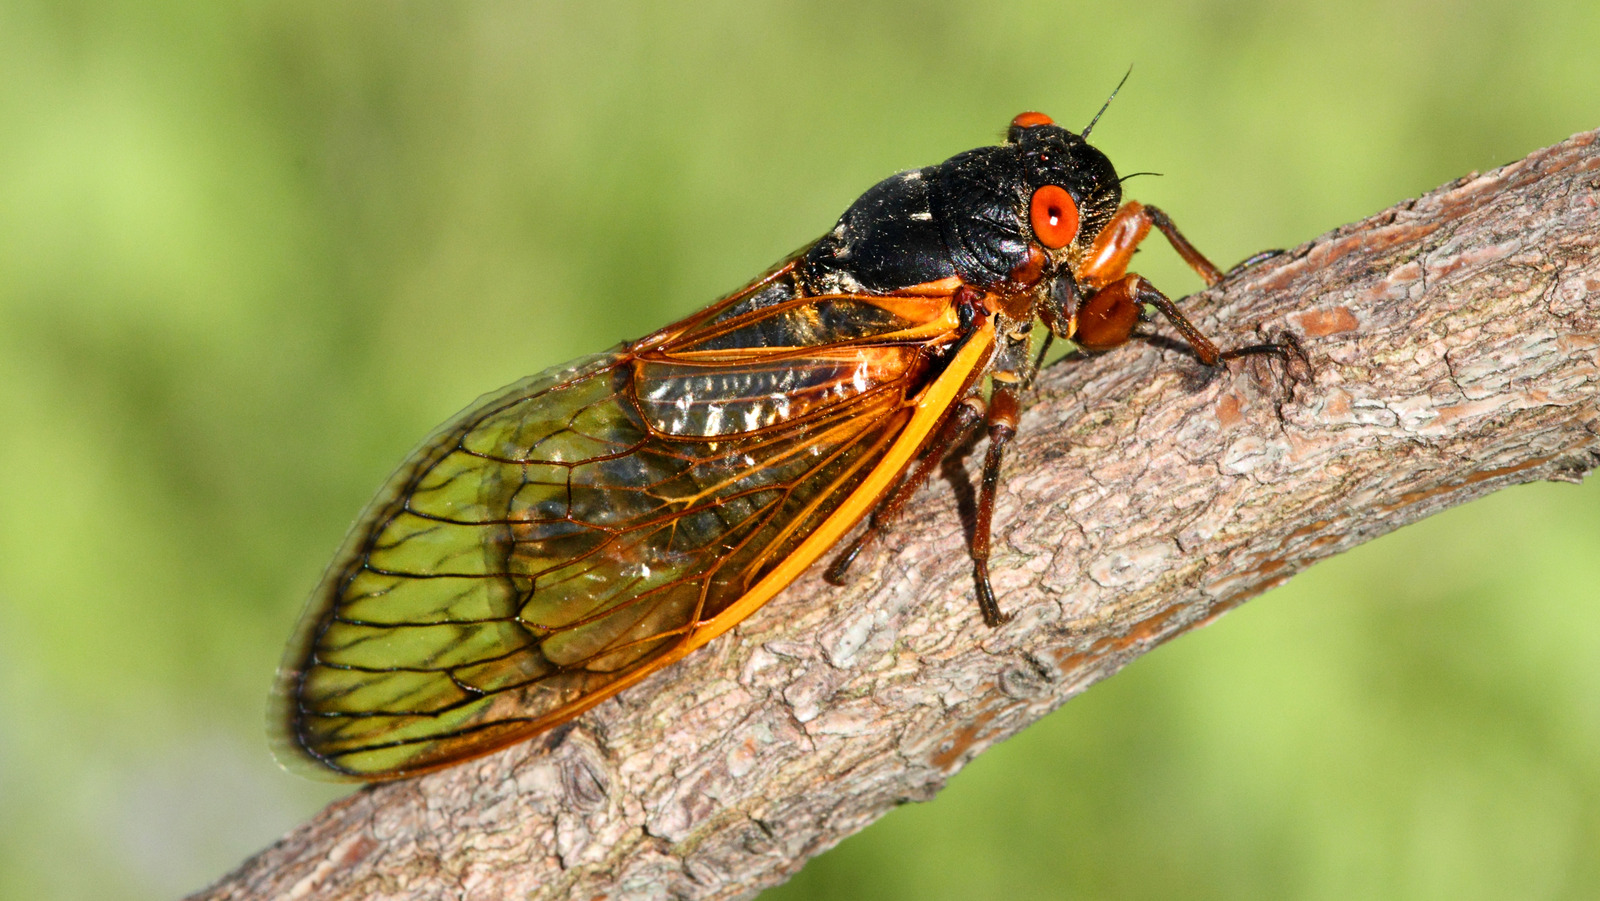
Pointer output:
x,y
567,535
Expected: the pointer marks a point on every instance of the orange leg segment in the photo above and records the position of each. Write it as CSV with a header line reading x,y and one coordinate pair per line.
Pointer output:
x,y
1001,414
955,430
1106,318
1142,292
1114,298
1113,249
1002,417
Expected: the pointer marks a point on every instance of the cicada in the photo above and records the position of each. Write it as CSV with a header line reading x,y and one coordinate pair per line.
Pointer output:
x,y
564,537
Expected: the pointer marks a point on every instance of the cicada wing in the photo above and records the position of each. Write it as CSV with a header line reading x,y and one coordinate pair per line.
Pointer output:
x,y
414,631
565,536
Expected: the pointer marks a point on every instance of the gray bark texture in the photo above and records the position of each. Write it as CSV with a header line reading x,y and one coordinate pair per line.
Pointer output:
x,y
1454,348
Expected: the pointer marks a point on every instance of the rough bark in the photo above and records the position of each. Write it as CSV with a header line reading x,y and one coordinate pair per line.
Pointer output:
x,y
1455,350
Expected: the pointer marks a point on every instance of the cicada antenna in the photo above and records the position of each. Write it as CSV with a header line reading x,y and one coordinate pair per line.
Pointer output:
x,y
1090,127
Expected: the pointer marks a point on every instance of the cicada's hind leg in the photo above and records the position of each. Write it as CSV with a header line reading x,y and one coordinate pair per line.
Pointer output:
x,y
957,428
1001,415
1002,419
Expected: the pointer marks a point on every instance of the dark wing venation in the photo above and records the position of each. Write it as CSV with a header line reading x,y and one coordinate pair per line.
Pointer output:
x,y
809,322
776,287
568,531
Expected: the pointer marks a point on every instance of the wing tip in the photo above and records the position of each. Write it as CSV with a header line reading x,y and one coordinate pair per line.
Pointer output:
x,y
283,734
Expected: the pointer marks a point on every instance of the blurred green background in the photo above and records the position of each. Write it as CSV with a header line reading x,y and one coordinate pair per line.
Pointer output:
x,y
249,253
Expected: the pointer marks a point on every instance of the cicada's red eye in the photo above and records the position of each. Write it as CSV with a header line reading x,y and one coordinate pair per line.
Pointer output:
x,y
1054,215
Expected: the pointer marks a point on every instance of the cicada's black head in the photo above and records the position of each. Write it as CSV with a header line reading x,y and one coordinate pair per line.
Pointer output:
x,y
1051,155
975,215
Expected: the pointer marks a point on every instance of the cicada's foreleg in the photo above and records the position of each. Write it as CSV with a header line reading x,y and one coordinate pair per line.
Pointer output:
x,y
956,429
1196,260
1207,351
1002,419
1252,261
1107,261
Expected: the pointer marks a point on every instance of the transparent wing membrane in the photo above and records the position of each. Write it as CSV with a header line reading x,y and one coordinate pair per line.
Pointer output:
x,y
574,530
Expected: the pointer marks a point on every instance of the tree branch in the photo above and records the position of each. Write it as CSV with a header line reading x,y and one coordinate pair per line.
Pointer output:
x,y
1455,350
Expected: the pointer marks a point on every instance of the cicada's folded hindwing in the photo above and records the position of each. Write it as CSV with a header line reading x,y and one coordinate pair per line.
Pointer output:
x,y
567,535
